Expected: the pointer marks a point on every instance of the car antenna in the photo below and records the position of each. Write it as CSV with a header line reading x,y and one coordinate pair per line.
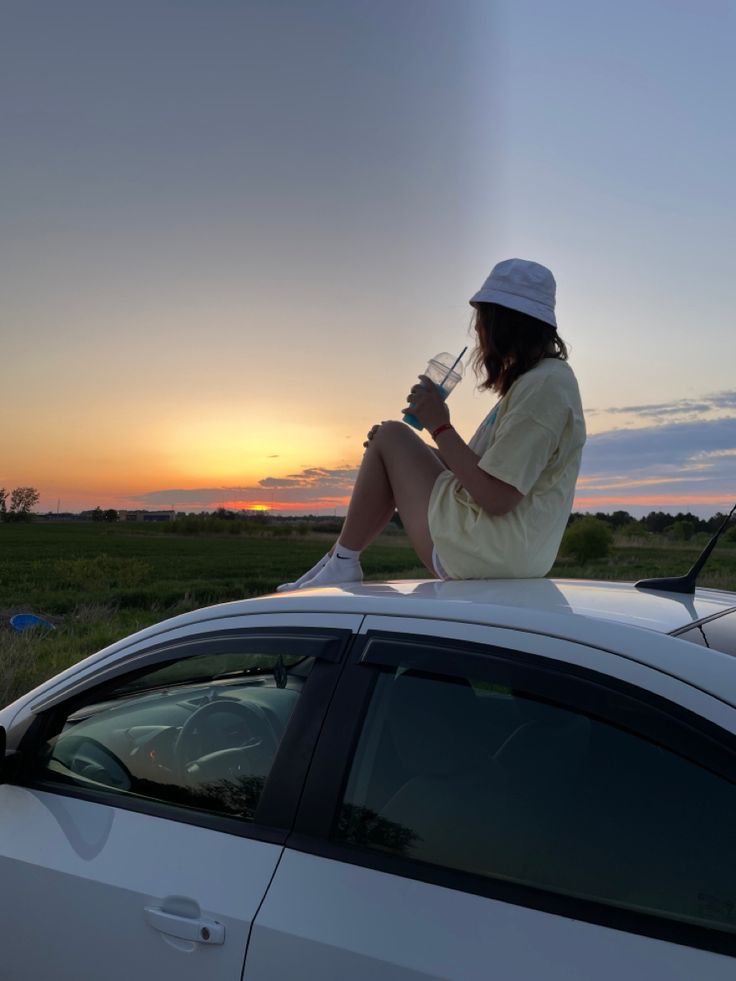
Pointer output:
x,y
686,583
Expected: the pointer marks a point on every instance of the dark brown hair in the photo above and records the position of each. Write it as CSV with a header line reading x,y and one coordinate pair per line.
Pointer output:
x,y
509,343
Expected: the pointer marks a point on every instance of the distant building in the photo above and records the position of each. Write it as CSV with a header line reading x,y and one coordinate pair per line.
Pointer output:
x,y
58,516
147,515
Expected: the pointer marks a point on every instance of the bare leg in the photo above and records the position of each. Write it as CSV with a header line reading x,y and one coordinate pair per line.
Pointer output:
x,y
398,472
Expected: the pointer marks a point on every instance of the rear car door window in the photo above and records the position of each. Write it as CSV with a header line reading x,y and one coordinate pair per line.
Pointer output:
x,y
718,633
474,772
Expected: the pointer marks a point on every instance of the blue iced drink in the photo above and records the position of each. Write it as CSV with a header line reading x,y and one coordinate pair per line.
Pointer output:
x,y
413,421
445,370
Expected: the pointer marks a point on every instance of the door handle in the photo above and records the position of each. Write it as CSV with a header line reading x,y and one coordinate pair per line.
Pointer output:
x,y
198,929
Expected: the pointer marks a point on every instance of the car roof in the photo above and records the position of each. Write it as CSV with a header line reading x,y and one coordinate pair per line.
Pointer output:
x,y
481,600
513,602
610,616
584,610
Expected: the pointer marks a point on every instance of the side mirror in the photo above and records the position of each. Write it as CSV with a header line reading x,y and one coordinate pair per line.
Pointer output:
x,y
9,762
3,745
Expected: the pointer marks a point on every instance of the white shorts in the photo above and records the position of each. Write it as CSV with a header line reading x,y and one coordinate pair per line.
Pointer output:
x,y
437,565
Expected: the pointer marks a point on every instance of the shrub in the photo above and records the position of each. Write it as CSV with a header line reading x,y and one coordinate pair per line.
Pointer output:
x,y
587,538
632,529
681,531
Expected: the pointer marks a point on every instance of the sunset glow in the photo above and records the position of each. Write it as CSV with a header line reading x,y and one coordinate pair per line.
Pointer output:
x,y
235,236
337,504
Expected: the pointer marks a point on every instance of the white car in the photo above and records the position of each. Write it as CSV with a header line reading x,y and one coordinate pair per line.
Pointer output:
x,y
471,780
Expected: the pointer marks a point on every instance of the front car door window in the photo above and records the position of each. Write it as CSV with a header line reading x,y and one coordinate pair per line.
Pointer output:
x,y
200,732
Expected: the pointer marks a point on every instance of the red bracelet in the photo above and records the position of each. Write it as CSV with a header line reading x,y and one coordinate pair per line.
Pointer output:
x,y
441,429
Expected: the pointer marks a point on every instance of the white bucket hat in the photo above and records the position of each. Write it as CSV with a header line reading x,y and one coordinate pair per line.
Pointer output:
x,y
521,285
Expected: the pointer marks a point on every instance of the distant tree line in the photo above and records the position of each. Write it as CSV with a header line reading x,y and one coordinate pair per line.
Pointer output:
x,y
590,536
19,505
243,522
681,526
587,536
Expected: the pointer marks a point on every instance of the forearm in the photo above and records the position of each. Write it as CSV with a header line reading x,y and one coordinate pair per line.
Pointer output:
x,y
491,494
495,496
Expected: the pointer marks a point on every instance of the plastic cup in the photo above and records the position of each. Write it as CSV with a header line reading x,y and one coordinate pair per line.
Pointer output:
x,y
440,371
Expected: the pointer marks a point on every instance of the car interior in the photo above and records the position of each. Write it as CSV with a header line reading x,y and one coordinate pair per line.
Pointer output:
x,y
208,743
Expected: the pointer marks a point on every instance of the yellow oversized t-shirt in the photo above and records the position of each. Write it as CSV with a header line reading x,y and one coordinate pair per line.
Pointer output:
x,y
532,440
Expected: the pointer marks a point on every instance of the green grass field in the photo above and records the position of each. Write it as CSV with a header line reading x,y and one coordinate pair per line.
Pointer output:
x,y
99,582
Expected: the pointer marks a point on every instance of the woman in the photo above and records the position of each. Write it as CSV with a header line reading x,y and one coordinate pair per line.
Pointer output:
x,y
496,507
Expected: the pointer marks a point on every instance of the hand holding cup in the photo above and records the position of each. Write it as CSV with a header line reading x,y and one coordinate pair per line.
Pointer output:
x,y
442,375
427,404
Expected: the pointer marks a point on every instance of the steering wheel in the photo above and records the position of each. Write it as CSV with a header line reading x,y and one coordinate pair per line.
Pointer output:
x,y
247,743
99,763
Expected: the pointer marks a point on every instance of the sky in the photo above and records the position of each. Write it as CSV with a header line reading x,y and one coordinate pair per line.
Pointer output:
x,y
234,231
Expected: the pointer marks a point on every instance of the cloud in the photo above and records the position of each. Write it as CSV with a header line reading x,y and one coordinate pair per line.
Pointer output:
x,y
315,488
691,463
280,482
667,448
315,478
682,407
722,402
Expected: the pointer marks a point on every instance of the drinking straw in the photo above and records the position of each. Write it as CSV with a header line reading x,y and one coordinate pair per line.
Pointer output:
x,y
450,370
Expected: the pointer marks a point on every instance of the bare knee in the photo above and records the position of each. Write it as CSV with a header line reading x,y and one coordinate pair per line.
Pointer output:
x,y
392,432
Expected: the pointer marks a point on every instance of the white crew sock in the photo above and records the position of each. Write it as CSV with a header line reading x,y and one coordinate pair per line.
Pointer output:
x,y
342,566
286,587
347,553
345,564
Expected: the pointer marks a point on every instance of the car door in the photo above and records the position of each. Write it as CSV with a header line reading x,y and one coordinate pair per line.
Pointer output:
x,y
150,810
503,810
